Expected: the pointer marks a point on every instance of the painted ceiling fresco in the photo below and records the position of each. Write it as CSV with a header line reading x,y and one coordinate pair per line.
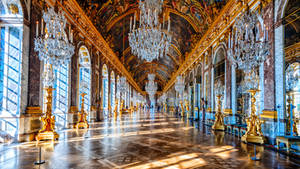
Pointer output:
x,y
189,21
292,23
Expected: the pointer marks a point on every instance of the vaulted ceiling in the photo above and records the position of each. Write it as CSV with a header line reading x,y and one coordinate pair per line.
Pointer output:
x,y
190,19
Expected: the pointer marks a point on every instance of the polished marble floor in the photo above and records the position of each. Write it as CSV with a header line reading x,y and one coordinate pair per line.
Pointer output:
x,y
143,140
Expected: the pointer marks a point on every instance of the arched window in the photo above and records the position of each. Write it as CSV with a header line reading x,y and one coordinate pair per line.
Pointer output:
x,y
11,35
61,95
218,71
112,89
105,89
85,77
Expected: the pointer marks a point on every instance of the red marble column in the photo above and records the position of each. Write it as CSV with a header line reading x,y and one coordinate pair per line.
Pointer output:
x,y
34,74
269,71
228,84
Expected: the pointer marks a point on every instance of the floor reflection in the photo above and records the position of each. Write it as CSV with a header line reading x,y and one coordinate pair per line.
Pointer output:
x,y
143,140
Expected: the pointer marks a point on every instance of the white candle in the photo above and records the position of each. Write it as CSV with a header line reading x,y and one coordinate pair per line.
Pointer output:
x,y
130,24
69,31
169,23
229,41
134,21
37,29
72,36
42,29
163,21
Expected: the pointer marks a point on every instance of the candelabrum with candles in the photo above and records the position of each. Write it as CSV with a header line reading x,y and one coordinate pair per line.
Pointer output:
x,y
82,115
151,40
53,47
292,79
219,116
248,50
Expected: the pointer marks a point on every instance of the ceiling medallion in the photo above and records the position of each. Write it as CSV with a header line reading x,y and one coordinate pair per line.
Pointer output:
x,y
151,40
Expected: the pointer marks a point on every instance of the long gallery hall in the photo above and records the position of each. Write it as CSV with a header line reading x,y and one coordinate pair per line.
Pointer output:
x,y
181,84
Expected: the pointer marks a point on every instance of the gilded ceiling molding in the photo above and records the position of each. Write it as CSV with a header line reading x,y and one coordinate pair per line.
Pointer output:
x,y
225,19
292,52
166,12
153,65
78,18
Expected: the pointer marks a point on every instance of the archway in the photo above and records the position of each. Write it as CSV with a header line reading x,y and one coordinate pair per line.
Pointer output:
x,y
112,90
11,60
105,89
84,77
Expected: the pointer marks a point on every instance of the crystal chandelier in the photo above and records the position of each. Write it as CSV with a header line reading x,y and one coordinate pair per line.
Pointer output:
x,y
151,86
292,79
179,85
247,50
122,85
54,49
219,88
53,46
150,41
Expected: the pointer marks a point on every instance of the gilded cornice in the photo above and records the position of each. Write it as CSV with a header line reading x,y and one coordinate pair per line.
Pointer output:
x,y
78,18
292,52
220,26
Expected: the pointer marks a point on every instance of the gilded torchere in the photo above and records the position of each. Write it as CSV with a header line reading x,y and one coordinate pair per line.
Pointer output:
x,y
253,133
47,132
116,108
187,108
82,122
219,117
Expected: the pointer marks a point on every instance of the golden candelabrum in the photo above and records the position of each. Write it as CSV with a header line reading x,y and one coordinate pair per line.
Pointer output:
x,y
187,108
116,108
253,133
47,132
82,121
131,109
182,108
121,108
219,117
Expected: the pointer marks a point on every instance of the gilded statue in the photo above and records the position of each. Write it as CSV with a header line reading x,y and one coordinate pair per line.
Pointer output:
x,y
253,133
82,121
182,109
116,108
219,117
47,132
187,108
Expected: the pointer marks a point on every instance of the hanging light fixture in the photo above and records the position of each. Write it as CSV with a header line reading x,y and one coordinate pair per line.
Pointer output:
x,y
151,86
151,40
248,50
54,48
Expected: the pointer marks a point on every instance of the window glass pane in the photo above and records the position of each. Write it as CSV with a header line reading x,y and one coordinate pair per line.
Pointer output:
x,y
2,43
60,94
10,72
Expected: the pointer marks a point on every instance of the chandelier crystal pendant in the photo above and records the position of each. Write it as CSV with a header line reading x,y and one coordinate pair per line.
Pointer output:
x,y
53,46
151,40
54,49
248,50
179,85
151,86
